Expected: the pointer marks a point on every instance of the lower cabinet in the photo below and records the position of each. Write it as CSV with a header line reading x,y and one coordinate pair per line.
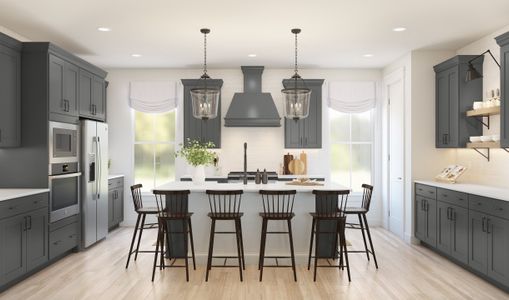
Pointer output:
x,y
115,202
452,230
23,236
425,220
64,236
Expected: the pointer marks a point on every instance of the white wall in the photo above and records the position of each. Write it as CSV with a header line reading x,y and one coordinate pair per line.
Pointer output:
x,y
480,170
265,145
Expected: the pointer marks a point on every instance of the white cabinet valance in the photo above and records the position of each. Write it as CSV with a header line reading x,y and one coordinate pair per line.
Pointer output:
x,y
352,96
153,96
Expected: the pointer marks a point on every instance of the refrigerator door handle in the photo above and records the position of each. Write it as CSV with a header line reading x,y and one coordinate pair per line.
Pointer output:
x,y
99,166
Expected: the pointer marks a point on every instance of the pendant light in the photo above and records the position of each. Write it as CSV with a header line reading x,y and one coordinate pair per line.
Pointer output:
x,y
296,99
205,99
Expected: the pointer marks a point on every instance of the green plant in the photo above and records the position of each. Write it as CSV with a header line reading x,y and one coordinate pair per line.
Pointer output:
x,y
196,153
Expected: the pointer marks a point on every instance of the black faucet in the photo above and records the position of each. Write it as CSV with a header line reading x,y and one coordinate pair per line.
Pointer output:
x,y
245,163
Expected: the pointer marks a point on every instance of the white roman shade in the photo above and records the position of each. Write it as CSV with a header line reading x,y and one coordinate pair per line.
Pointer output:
x,y
352,96
153,96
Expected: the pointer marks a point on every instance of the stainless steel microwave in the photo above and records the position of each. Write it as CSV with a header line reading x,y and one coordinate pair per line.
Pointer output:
x,y
63,142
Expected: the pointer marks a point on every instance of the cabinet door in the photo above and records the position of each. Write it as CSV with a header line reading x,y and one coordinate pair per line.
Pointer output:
x,y
71,81
293,133
12,247
477,242
119,206
10,98
498,249
37,238
98,98
431,222
420,218
111,208
504,86
443,227
85,93
56,85
459,234
446,114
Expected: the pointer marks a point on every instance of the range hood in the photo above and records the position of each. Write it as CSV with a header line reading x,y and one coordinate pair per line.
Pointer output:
x,y
252,108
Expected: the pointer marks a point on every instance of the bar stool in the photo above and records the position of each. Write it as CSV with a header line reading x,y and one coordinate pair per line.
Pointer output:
x,y
142,214
173,207
277,206
329,207
363,221
225,206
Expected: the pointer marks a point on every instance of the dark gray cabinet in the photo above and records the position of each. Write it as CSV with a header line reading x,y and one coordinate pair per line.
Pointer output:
x,y
452,230
425,220
115,202
454,97
306,133
92,96
63,88
23,236
10,92
197,129
503,41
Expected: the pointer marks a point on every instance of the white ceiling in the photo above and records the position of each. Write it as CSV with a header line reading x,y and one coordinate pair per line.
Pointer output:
x,y
335,33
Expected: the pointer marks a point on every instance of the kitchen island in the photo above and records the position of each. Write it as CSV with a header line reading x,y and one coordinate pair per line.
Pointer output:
x,y
251,222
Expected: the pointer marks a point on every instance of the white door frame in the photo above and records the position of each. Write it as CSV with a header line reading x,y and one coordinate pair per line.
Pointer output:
x,y
390,79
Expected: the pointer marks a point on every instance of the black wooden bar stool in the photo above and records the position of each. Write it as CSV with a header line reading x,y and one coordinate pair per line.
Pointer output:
x,y
225,206
142,214
172,209
363,221
277,206
329,207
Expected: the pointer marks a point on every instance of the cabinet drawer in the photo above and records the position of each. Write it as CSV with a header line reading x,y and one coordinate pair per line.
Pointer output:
x,y
115,182
63,239
452,197
22,205
426,191
489,206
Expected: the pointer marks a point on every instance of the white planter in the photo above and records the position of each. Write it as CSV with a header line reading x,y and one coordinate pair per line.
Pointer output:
x,y
199,175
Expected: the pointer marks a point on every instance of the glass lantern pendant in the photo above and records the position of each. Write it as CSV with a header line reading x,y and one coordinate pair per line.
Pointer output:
x,y
296,98
205,99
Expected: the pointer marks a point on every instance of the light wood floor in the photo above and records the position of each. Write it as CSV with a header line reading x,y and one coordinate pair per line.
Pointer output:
x,y
406,272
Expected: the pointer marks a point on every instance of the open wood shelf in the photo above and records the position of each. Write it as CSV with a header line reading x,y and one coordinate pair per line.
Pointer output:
x,y
484,112
483,145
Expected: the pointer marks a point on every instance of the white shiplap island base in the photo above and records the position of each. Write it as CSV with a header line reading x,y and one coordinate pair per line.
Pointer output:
x,y
251,205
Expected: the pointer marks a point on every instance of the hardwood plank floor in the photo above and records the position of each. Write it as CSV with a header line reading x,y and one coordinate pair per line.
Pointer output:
x,y
406,272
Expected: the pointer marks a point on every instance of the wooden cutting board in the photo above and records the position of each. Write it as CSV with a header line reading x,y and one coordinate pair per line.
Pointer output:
x,y
296,167
305,183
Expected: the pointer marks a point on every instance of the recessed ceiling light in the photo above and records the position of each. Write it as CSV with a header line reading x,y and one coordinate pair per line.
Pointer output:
x,y
251,55
104,29
136,55
399,29
368,55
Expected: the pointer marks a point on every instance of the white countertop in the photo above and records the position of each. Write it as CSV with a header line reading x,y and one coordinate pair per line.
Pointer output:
x,y
113,176
251,187
471,188
291,176
8,194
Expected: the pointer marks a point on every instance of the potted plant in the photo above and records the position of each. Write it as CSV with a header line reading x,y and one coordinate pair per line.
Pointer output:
x,y
198,155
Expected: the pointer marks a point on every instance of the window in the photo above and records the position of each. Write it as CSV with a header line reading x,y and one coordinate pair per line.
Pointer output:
x,y
154,148
351,137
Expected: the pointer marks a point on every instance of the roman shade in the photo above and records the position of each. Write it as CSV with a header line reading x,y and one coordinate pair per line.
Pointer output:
x,y
352,96
153,96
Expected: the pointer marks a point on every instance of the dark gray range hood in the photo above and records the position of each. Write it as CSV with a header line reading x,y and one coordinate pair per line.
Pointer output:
x,y
252,108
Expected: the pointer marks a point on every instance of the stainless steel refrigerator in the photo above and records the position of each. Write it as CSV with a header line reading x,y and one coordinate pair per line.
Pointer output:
x,y
94,182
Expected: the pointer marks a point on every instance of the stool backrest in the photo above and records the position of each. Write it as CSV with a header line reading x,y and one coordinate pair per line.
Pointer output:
x,y
174,203
367,191
136,193
225,203
279,203
331,203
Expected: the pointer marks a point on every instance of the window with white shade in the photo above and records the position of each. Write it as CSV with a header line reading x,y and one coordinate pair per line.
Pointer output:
x,y
351,144
154,148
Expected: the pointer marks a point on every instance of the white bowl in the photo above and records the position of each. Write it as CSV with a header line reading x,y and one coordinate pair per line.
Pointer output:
x,y
478,104
495,137
486,138
475,139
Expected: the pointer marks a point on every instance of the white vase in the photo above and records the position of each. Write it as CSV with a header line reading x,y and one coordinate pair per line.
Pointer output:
x,y
199,175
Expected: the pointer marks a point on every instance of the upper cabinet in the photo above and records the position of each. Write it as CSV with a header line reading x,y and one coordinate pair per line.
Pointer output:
x,y
454,97
196,129
92,94
503,41
306,133
10,92
63,88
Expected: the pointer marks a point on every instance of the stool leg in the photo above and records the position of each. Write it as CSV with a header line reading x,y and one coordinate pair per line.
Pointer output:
x,y
341,266
317,235
239,253
363,235
264,240
133,240
186,259
343,242
370,241
211,247
290,237
311,242
261,245
139,236
164,231
192,242
156,252
242,246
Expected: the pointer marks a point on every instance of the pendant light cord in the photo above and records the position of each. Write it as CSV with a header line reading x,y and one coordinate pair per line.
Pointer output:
x,y
296,70
204,54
